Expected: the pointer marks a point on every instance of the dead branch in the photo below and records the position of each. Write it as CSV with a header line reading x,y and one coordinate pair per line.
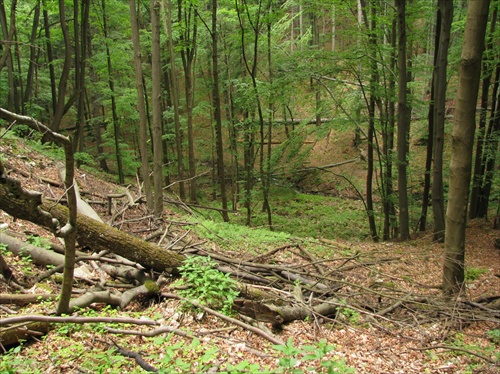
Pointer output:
x,y
459,349
246,326
25,299
136,356
54,319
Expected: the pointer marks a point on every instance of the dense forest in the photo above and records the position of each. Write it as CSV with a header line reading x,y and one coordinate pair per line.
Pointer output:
x,y
218,103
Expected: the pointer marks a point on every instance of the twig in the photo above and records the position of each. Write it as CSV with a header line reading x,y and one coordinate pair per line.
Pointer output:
x,y
451,348
136,356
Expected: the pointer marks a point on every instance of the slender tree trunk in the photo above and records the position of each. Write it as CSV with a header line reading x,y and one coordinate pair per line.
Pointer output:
x,y
430,129
403,124
462,144
187,15
143,134
63,81
490,155
217,112
111,83
157,109
482,139
8,31
390,224
446,10
374,79
80,69
95,110
174,94
50,58
33,53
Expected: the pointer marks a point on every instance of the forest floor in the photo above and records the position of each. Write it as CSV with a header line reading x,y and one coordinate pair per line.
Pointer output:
x,y
444,341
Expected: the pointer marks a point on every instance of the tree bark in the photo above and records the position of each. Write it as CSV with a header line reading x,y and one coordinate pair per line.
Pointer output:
x,y
217,112
93,234
157,109
143,133
403,124
174,88
462,144
440,83
111,83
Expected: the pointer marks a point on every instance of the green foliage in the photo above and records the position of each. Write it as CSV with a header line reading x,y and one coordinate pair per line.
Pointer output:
x,y
38,241
458,340
351,315
472,274
207,285
314,353
11,362
84,158
494,336
228,235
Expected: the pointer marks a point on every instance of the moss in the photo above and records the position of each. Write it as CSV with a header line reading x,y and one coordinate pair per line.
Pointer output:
x,y
151,286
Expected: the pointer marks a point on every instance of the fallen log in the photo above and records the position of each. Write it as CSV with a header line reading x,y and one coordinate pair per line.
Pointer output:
x,y
16,334
39,256
25,299
90,233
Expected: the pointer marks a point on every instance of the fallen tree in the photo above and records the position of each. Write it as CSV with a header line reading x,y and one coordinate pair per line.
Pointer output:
x,y
91,234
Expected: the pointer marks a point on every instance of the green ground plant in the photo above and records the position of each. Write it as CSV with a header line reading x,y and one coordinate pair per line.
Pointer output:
x,y
472,273
207,285
494,336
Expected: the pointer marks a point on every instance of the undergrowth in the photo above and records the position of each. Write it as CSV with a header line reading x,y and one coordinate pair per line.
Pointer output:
x,y
168,355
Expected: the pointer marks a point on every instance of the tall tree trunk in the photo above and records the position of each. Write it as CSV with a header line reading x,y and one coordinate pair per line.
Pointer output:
x,y
403,124
95,109
157,109
490,155
446,11
50,58
33,52
374,80
430,129
63,81
111,83
462,144
482,139
174,94
8,32
187,15
143,134
80,31
252,70
390,221
217,112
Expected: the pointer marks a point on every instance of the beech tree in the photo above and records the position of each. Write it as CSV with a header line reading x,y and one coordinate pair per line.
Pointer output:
x,y
462,143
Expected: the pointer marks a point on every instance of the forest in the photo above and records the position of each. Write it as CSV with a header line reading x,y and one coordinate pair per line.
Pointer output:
x,y
219,169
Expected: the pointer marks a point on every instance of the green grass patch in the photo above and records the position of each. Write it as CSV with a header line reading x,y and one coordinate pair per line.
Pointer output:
x,y
301,215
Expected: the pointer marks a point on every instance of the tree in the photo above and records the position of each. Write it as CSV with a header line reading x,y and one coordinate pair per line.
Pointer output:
x,y
174,96
439,88
189,20
8,31
217,111
111,84
143,136
63,81
403,123
487,139
462,144
157,109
